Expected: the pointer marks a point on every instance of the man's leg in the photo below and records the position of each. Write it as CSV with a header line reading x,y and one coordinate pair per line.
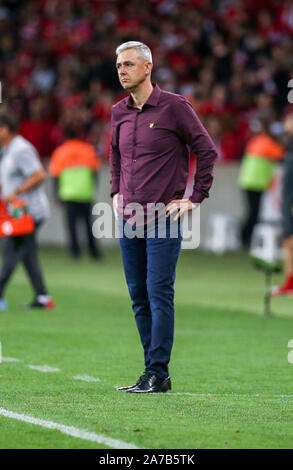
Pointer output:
x,y
92,243
32,265
72,214
287,287
135,267
12,253
253,201
162,256
288,259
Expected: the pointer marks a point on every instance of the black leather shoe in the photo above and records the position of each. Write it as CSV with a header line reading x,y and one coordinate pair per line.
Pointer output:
x,y
153,384
142,378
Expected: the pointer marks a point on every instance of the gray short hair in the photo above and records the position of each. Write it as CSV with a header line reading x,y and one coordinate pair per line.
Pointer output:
x,y
143,50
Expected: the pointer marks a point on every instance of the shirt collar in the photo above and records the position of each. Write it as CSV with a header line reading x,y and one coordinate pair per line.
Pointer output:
x,y
5,148
152,99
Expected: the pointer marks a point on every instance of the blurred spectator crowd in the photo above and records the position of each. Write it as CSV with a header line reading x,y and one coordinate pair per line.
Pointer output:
x,y
233,59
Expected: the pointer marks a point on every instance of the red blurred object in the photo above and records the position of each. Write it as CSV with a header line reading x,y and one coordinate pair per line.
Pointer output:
x,y
38,133
21,223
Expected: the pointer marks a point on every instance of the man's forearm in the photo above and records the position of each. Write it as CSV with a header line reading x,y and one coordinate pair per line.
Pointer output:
x,y
33,181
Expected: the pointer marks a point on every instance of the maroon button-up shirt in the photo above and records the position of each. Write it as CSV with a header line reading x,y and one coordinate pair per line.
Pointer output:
x,y
150,149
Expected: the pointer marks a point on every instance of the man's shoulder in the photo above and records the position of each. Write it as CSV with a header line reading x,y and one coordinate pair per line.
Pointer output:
x,y
77,144
87,149
172,98
119,106
20,144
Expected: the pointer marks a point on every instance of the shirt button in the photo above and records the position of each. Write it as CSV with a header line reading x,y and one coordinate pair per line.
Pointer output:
x,y
134,160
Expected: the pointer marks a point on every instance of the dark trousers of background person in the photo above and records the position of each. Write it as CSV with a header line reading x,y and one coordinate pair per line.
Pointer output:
x,y
22,248
75,212
149,266
253,202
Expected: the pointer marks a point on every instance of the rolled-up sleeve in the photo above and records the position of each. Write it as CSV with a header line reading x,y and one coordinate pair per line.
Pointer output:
x,y
114,159
195,135
28,161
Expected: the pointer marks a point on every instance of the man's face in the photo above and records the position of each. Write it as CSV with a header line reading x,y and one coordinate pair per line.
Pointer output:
x,y
4,134
132,69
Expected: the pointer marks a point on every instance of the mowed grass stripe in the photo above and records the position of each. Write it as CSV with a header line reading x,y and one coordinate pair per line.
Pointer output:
x,y
69,430
217,350
203,279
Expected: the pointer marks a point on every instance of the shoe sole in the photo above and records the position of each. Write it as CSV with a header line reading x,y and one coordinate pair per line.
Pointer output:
x,y
125,388
163,390
147,391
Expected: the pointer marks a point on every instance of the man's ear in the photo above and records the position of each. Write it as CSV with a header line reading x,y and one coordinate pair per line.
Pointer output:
x,y
149,67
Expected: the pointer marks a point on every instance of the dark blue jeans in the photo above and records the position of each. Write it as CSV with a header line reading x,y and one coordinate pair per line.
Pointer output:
x,y
149,266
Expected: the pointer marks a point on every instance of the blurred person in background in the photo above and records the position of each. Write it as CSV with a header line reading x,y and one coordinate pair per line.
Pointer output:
x,y
74,165
287,213
22,176
262,153
37,127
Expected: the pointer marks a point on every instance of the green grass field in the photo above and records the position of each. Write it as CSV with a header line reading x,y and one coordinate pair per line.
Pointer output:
x,y
232,382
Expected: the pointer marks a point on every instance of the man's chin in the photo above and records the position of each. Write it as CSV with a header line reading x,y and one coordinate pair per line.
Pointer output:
x,y
127,86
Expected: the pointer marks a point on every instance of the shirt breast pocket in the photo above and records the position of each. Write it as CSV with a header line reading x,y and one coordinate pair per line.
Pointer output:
x,y
158,139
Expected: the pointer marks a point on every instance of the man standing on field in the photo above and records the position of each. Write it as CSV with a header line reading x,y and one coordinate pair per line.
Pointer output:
x,y
152,132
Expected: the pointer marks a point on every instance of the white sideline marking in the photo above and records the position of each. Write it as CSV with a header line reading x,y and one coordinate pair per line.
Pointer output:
x,y
70,430
44,368
87,378
231,395
10,359
228,395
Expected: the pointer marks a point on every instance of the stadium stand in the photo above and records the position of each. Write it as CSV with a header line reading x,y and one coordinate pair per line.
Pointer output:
x,y
233,59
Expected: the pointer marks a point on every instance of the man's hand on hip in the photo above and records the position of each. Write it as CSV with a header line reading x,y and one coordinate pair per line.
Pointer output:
x,y
180,206
116,205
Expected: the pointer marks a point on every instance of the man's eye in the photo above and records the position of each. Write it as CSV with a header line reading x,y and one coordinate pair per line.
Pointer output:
x,y
126,65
